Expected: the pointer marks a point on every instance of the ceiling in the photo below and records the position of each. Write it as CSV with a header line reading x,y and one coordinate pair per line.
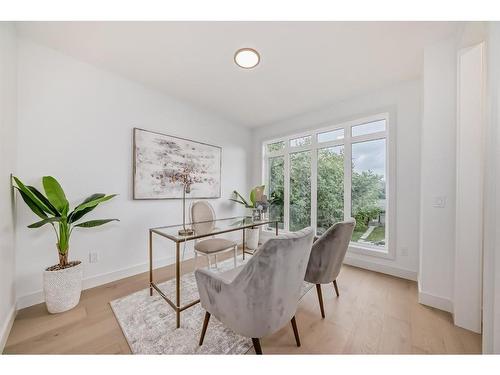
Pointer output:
x,y
304,65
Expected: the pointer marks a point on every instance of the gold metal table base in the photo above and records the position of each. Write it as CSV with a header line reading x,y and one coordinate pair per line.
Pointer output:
x,y
177,309
177,304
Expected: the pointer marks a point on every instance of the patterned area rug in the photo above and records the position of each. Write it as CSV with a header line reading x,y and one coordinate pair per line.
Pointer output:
x,y
148,323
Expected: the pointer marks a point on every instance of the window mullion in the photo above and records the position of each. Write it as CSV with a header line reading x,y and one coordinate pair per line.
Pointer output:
x,y
347,173
286,188
314,184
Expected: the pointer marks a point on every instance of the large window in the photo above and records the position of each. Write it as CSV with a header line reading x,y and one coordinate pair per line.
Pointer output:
x,y
324,176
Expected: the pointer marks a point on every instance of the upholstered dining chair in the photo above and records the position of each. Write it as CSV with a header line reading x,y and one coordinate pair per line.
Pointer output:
x,y
327,254
202,219
258,298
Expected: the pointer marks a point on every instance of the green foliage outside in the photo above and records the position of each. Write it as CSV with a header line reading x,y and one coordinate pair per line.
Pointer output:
x,y
276,188
300,190
330,187
368,188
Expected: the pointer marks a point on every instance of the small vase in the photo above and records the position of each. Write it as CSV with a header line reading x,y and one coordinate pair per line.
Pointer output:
x,y
256,215
252,238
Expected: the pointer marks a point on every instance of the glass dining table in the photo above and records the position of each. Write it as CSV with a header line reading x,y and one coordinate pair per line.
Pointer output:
x,y
171,232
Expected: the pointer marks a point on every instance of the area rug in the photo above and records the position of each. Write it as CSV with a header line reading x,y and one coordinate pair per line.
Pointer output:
x,y
148,323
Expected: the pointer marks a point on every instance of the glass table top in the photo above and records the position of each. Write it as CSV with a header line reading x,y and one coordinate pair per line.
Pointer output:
x,y
210,228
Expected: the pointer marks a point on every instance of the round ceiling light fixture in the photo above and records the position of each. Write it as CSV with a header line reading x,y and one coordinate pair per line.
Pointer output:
x,y
247,58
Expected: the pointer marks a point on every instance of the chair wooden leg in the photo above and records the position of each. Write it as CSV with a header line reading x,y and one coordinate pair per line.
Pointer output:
x,y
205,325
336,287
256,346
235,256
320,298
295,331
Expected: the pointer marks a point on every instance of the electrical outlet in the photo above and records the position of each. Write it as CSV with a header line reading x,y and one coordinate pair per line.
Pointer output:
x,y
93,258
439,202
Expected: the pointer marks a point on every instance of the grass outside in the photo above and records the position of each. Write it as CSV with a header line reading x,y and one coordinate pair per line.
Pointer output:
x,y
357,234
377,235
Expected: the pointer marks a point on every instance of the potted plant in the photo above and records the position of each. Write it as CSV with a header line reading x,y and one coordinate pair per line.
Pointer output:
x,y
62,282
258,204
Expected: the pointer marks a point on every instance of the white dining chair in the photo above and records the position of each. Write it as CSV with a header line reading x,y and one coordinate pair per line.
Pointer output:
x,y
203,218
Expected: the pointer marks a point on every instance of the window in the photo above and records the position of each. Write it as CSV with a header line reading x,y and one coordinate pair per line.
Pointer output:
x,y
368,128
331,135
330,189
368,192
330,174
276,146
301,141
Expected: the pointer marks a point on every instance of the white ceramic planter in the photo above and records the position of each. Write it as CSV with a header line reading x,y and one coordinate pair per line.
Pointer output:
x,y
62,288
252,238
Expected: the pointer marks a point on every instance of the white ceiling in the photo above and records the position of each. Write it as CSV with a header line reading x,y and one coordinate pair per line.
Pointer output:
x,y
304,65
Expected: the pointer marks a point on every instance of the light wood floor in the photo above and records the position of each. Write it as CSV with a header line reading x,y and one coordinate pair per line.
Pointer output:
x,y
375,313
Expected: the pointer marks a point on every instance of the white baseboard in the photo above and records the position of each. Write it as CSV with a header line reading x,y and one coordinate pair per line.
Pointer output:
x,y
429,299
382,268
7,325
90,282
93,281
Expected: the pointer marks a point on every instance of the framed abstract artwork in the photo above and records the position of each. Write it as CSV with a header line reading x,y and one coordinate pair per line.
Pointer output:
x,y
158,158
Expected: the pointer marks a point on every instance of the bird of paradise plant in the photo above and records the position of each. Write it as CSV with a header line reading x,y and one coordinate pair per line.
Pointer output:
x,y
53,208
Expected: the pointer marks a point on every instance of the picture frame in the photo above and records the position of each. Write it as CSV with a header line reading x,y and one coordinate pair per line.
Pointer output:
x,y
157,156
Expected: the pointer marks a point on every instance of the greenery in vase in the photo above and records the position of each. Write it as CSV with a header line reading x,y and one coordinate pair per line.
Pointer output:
x,y
53,208
257,198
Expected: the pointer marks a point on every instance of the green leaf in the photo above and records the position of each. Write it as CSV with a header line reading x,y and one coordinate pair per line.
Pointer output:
x,y
237,201
44,200
55,193
75,216
38,224
94,223
253,194
252,197
93,197
31,204
93,203
33,198
65,209
242,199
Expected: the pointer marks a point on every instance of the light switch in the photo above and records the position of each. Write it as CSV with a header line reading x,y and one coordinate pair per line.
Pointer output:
x,y
439,202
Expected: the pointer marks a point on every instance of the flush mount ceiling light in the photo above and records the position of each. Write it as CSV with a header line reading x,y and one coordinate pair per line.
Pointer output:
x,y
247,58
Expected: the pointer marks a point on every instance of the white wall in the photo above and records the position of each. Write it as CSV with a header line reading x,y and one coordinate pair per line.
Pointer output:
x,y
8,61
438,154
402,101
75,123
491,274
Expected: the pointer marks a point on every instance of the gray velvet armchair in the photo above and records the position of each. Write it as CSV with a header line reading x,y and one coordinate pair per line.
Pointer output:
x,y
261,296
327,254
